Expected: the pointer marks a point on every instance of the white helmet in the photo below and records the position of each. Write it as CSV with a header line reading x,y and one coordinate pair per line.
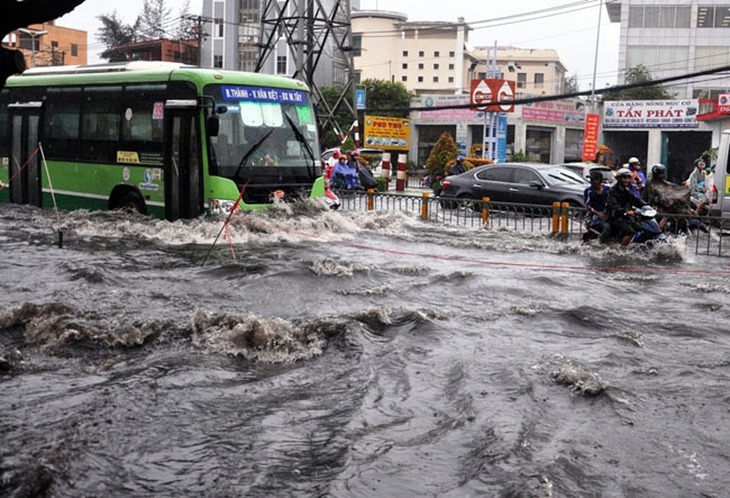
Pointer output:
x,y
633,160
624,172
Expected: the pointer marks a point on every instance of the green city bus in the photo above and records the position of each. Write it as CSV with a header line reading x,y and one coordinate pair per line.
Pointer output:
x,y
165,139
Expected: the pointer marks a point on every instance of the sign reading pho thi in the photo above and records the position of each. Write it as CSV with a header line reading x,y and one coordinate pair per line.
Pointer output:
x,y
388,133
650,114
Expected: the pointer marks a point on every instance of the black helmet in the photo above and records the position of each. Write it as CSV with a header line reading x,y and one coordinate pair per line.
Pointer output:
x,y
595,175
658,169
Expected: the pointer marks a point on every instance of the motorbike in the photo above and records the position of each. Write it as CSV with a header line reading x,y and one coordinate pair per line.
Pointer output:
x,y
645,224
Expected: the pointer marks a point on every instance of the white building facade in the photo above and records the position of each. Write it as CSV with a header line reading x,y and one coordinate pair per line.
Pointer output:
x,y
672,39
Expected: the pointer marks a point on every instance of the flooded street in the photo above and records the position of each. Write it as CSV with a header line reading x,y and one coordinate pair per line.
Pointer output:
x,y
354,354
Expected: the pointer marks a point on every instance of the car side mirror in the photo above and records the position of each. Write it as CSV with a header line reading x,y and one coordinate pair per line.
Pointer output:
x,y
535,184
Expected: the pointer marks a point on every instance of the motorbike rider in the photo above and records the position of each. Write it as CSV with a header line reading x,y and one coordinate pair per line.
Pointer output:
x,y
666,196
621,205
638,179
595,198
458,167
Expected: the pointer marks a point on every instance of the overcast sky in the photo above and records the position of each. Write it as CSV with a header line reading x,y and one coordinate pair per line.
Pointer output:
x,y
568,26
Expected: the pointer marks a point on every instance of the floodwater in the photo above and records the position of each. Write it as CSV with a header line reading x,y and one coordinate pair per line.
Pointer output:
x,y
353,354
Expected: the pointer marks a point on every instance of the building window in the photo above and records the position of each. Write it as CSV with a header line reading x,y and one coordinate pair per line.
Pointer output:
x,y
435,79
404,65
404,78
451,79
713,16
436,67
665,16
281,64
521,80
658,58
451,67
217,61
421,53
405,53
218,28
356,45
420,65
539,80
74,50
436,54
452,53
709,57
420,79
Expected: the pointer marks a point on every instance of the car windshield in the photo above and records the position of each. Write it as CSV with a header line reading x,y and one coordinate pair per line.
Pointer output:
x,y
562,176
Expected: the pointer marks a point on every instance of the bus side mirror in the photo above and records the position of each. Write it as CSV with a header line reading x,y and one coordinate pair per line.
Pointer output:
x,y
213,126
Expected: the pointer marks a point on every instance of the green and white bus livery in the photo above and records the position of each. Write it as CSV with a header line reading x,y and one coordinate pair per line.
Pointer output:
x,y
165,139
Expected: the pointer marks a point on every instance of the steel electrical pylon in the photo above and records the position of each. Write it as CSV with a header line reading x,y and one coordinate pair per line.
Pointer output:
x,y
318,37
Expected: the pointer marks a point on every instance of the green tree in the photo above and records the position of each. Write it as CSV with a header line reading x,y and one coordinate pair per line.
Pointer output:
x,y
154,20
187,28
114,32
639,75
571,84
387,99
443,152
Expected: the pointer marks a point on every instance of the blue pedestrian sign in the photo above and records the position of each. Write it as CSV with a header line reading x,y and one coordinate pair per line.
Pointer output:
x,y
360,99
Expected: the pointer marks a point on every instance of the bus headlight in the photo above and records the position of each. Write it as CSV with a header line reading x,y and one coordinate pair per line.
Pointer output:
x,y
221,206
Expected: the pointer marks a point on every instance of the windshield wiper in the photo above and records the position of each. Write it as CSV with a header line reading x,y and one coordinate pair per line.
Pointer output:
x,y
251,152
302,140
253,149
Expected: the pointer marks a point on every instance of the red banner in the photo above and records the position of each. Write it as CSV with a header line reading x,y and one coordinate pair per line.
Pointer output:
x,y
590,137
491,91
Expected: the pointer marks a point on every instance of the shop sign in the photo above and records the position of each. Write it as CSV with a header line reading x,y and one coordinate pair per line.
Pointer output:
x,y
650,114
388,133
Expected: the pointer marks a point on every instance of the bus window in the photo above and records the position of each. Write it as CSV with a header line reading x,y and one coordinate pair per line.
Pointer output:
x,y
61,127
100,123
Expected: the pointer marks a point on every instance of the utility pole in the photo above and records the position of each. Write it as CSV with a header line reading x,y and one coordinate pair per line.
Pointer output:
x,y
199,33
318,38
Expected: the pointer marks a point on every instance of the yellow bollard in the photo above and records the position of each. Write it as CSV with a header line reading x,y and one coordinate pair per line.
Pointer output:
x,y
485,210
565,209
556,217
424,206
371,199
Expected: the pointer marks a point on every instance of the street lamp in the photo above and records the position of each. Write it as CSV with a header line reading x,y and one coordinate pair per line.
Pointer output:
x,y
33,34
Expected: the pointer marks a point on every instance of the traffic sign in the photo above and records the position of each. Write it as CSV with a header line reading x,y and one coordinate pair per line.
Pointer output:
x,y
360,98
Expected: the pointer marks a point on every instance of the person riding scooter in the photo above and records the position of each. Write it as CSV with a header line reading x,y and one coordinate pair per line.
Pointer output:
x,y
595,197
621,206
666,196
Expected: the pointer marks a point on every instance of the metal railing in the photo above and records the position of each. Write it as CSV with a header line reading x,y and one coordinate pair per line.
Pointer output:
x,y
706,235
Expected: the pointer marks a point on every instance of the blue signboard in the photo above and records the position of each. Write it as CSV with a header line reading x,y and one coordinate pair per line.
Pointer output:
x,y
261,94
360,98
502,138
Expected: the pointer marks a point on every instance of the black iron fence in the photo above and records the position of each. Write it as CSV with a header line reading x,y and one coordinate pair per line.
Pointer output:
x,y
707,234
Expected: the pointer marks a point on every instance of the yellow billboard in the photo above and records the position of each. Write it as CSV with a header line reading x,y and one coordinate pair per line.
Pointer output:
x,y
387,133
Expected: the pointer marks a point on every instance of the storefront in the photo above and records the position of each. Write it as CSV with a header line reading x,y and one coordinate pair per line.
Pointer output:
x,y
550,132
657,131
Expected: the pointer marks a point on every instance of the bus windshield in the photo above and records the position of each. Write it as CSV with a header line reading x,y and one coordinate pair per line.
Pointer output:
x,y
263,127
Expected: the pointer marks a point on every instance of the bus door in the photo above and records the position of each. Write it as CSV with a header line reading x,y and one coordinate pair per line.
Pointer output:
x,y
182,160
24,166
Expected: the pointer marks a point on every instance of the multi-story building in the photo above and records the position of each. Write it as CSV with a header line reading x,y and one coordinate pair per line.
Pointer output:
x,y
436,62
238,32
426,57
672,39
49,45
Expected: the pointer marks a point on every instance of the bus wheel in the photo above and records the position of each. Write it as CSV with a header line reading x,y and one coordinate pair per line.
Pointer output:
x,y
130,202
